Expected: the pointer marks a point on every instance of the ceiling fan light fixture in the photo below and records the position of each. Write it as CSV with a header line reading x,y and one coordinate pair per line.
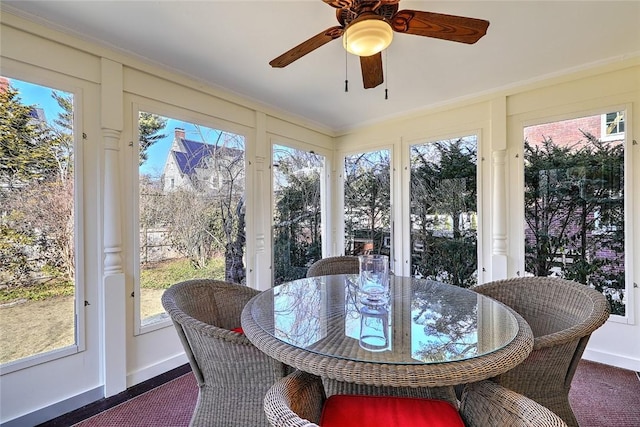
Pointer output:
x,y
367,35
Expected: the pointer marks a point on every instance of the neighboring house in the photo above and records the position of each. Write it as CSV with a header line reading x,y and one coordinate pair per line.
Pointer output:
x,y
198,166
605,127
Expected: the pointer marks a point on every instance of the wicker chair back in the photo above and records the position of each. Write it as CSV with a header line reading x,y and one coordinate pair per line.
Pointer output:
x,y
562,315
233,375
344,264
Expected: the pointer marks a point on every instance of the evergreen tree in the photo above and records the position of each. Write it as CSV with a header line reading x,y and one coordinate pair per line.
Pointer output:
x,y
574,211
149,128
23,141
444,184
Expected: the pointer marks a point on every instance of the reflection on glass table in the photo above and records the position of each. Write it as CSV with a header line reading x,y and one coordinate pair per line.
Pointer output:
x,y
436,334
374,327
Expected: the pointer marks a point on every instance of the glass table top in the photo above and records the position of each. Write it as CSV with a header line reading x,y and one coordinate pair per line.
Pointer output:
x,y
424,322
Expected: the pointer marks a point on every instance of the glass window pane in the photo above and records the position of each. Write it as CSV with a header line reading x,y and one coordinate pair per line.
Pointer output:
x,y
444,217
37,225
297,227
574,204
192,211
367,203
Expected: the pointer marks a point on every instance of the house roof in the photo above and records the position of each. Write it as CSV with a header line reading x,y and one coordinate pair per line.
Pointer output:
x,y
196,154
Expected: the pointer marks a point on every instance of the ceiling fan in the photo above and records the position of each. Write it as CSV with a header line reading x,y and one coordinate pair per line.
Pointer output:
x,y
367,27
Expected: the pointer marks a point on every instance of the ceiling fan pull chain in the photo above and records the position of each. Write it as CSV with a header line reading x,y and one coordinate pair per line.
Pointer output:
x,y
386,73
346,74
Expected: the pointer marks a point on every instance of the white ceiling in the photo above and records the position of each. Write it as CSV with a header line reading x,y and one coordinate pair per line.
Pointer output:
x,y
229,44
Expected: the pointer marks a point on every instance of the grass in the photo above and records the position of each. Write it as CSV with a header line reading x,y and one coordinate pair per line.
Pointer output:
x,y
161,275
156,277
40,318
40,292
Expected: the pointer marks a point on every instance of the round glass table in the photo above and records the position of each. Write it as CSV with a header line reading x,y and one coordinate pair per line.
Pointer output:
x,y
428,334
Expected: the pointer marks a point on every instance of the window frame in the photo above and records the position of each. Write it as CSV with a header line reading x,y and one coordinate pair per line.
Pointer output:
x,y
138,104
325,192
630,288
341,238
410,248
51,81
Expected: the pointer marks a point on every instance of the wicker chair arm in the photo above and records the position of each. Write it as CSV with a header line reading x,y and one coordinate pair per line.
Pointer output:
x,y
599,316
508,290
295,401
486,403
212,331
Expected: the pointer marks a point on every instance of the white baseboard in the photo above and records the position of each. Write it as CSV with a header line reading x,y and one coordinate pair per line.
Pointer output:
x,y
75,402
612,359
57,409
152,371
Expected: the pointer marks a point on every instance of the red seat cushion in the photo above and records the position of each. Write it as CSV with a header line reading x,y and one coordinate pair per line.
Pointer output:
x,y
381,411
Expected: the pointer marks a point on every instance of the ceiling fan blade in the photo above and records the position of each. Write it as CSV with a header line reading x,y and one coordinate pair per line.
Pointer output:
x,y
371,70
307,46
440,26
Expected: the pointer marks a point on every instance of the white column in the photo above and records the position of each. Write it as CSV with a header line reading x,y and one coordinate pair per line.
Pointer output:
x,y
262,206
499,218
114,296
499,225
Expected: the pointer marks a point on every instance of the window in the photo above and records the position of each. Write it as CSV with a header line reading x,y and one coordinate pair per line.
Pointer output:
x,y
191,207
297,207
443,212
575,204
39,290
612,126
367,203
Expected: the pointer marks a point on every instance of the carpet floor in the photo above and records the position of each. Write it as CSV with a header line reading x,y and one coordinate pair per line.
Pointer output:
x,y
601,396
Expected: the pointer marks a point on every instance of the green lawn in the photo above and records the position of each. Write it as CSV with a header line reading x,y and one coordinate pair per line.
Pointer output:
x,y
163,274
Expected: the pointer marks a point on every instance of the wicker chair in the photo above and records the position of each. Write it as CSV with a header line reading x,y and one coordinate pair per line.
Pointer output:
x,y
298,399
334,265
233,376
562,315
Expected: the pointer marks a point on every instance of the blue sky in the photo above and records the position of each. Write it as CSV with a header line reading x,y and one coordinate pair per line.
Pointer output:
x,y
40,96
157,153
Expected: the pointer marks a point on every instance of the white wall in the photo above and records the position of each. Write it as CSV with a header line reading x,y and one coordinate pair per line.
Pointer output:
x,y
114,86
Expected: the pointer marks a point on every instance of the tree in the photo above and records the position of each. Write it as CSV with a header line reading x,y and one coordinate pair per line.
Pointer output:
x,y
367,197
296,224
61,136
444,184
149,128
190,219
205,217
23,141
38,225
230,201
574,211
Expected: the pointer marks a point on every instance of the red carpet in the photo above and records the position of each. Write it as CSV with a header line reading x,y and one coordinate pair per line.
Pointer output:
x,y
601,396
169,405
